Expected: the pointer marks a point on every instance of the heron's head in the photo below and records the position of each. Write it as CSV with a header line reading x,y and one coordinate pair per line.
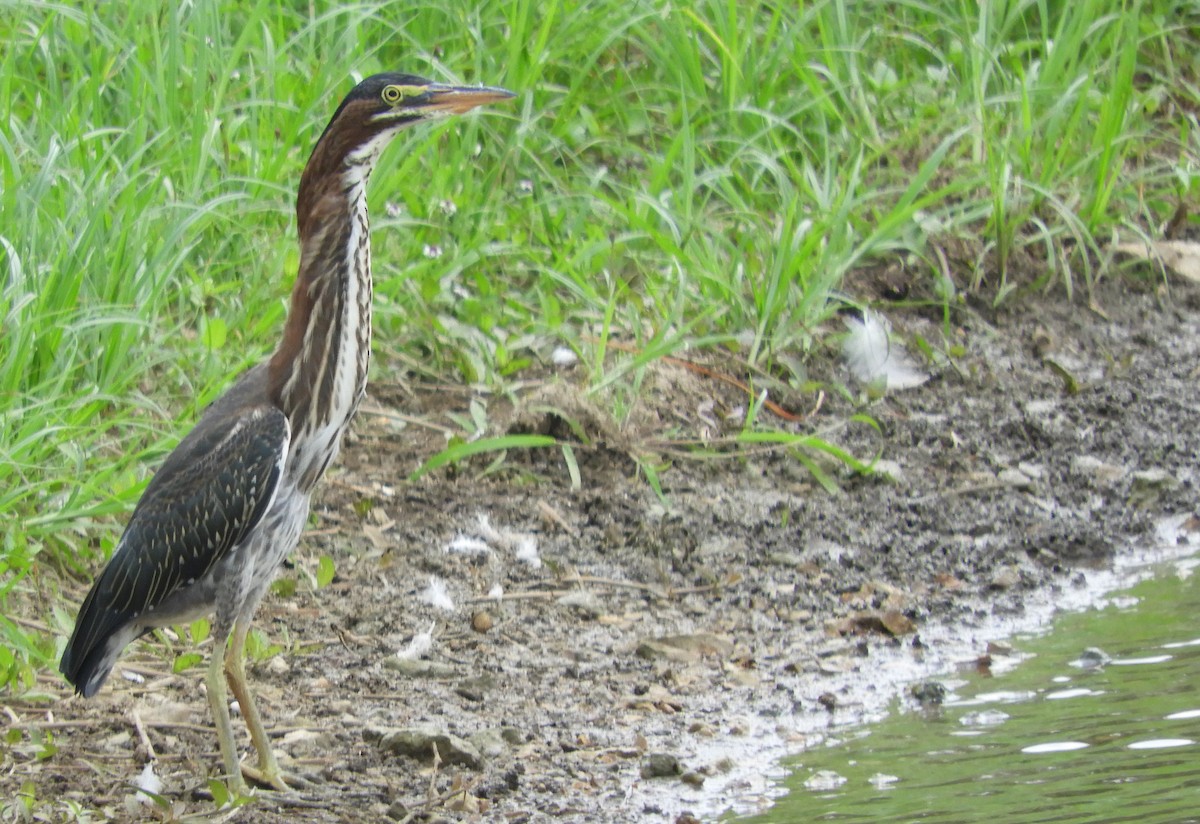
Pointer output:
x,y
373,113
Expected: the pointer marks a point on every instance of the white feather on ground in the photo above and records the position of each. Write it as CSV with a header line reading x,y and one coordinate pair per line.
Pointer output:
x,y
149,781
148,785
463,545
872,356
489,533
527,551
420,644
436,594
562,356
523,545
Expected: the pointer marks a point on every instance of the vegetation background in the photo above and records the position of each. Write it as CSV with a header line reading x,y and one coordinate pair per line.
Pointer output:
x,y
673,175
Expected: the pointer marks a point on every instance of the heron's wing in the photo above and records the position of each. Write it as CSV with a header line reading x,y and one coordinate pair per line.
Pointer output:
x,y
207,497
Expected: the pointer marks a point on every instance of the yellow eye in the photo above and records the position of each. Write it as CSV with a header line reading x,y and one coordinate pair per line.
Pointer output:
x,y
392,94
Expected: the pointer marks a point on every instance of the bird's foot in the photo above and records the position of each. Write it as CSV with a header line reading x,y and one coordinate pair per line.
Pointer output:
x,y
271,777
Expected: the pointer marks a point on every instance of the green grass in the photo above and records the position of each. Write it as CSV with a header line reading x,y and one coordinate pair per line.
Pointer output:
x,y
671,175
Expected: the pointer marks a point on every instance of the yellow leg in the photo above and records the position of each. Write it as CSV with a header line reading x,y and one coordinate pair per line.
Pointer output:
x,y
268,772
217,700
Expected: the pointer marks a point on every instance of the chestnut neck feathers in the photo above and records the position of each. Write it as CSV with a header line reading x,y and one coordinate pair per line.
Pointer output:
x,y
319,371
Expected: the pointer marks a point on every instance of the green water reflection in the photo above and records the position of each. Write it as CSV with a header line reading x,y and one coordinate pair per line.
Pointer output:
x,y
1047,741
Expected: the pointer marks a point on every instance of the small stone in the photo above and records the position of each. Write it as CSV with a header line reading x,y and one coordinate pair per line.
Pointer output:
x,y
490,742
1099,472
1153,479
1093,658
116,741
1031,470
897,623
1147,486
684,648
1006,577
793,560
481,683
891,622
481,621
661,765
469,693
418,743
307,741
582,601
692,779
419,669
1015,478
928,693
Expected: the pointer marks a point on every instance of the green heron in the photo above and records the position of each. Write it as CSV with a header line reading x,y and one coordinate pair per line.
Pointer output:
x,y
230,502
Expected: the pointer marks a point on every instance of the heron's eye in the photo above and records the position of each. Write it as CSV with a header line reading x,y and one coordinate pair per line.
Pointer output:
x,y
392,94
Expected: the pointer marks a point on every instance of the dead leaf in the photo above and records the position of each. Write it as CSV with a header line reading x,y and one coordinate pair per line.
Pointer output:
x,y
1180,256
948,581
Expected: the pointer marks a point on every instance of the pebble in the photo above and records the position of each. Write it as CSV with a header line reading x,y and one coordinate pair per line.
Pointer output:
x,y
684,648
489,742
418,743
481,621
660,765
1099,472
584,602
928,693
1093,658
419,669
1005,577
307,741
1148,486
1015,478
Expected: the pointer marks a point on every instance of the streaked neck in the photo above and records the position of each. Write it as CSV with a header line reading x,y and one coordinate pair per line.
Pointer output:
x,y
320,369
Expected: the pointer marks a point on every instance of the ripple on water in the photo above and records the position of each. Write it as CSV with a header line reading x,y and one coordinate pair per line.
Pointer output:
x,y
1149,659
997,697
824,781
1161,743
984,718
1195,642
1073,692
1054,746
1089,758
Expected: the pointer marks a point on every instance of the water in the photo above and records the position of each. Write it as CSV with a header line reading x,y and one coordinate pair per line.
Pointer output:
x,y
1049,740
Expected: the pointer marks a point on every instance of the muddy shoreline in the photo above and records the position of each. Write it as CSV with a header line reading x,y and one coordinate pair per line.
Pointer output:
x,y
612,657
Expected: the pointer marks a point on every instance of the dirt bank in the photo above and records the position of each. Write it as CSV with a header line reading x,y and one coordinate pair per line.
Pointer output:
x,y
642,654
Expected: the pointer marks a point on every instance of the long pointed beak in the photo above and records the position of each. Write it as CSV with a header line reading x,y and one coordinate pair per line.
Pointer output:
x,y
460,99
